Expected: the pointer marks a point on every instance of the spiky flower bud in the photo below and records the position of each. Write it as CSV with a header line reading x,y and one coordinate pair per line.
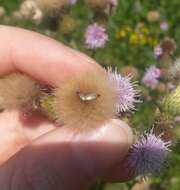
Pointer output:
x,y
168,45
46,103
29,10
148,155
49,6
153,16
67,24
171,103
164,125
129,71
106,6
175,69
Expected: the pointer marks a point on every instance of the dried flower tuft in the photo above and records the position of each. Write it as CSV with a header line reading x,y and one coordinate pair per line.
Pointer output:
x,y
164,125
106,6
168,46
29,10
67,24
18,91
85,100
52,5
175,69
153,16
129,71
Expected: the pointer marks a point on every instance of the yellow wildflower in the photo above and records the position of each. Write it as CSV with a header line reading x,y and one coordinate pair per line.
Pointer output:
x,y
142,39
134,38
121,34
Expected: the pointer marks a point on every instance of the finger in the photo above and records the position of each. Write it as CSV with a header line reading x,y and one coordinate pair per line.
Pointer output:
x,y
67,160
40,57
121,172
15,136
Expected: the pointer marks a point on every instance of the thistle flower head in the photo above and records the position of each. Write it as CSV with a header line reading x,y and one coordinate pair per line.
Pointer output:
x,y
151,77
130,70
171,103
175,69
164,125
86,100
95,36
99,4
125,91
29,10
148,155
67,24
153,16
52,5
164,26
18,91
168,45
158,51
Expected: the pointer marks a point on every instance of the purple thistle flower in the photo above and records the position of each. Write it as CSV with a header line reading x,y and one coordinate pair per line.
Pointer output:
x,y
126,94
95,36
151,77
164,26
149,155
158,51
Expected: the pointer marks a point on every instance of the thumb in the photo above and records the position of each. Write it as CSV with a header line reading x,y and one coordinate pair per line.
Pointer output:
x,y
66,160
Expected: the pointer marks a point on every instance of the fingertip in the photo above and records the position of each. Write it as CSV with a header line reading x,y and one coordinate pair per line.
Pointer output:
x,y
120,172
47,59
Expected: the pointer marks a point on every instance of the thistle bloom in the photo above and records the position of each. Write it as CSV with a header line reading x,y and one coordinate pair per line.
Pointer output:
x,y
168,46
164,26
153,16
126,94
171,102
158,51
95,36
149,155
151,77
175,69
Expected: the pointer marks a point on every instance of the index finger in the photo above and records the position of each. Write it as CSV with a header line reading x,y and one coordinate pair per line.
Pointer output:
x,y
39,56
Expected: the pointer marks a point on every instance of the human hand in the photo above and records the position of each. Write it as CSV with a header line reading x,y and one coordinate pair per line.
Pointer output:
x,y
34,153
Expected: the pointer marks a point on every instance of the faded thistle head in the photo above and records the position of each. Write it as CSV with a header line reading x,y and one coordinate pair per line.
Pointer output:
x,y
148,155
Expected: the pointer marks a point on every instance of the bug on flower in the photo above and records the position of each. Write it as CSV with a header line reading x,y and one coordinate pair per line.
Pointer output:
x,y
84,100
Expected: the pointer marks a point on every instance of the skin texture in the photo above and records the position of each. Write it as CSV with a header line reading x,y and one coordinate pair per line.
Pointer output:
x,y
35,154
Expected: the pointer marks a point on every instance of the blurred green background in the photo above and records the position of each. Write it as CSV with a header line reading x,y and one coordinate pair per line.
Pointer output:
x,y
123,49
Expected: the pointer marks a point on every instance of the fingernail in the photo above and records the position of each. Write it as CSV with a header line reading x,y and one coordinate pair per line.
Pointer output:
x,y
126,128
